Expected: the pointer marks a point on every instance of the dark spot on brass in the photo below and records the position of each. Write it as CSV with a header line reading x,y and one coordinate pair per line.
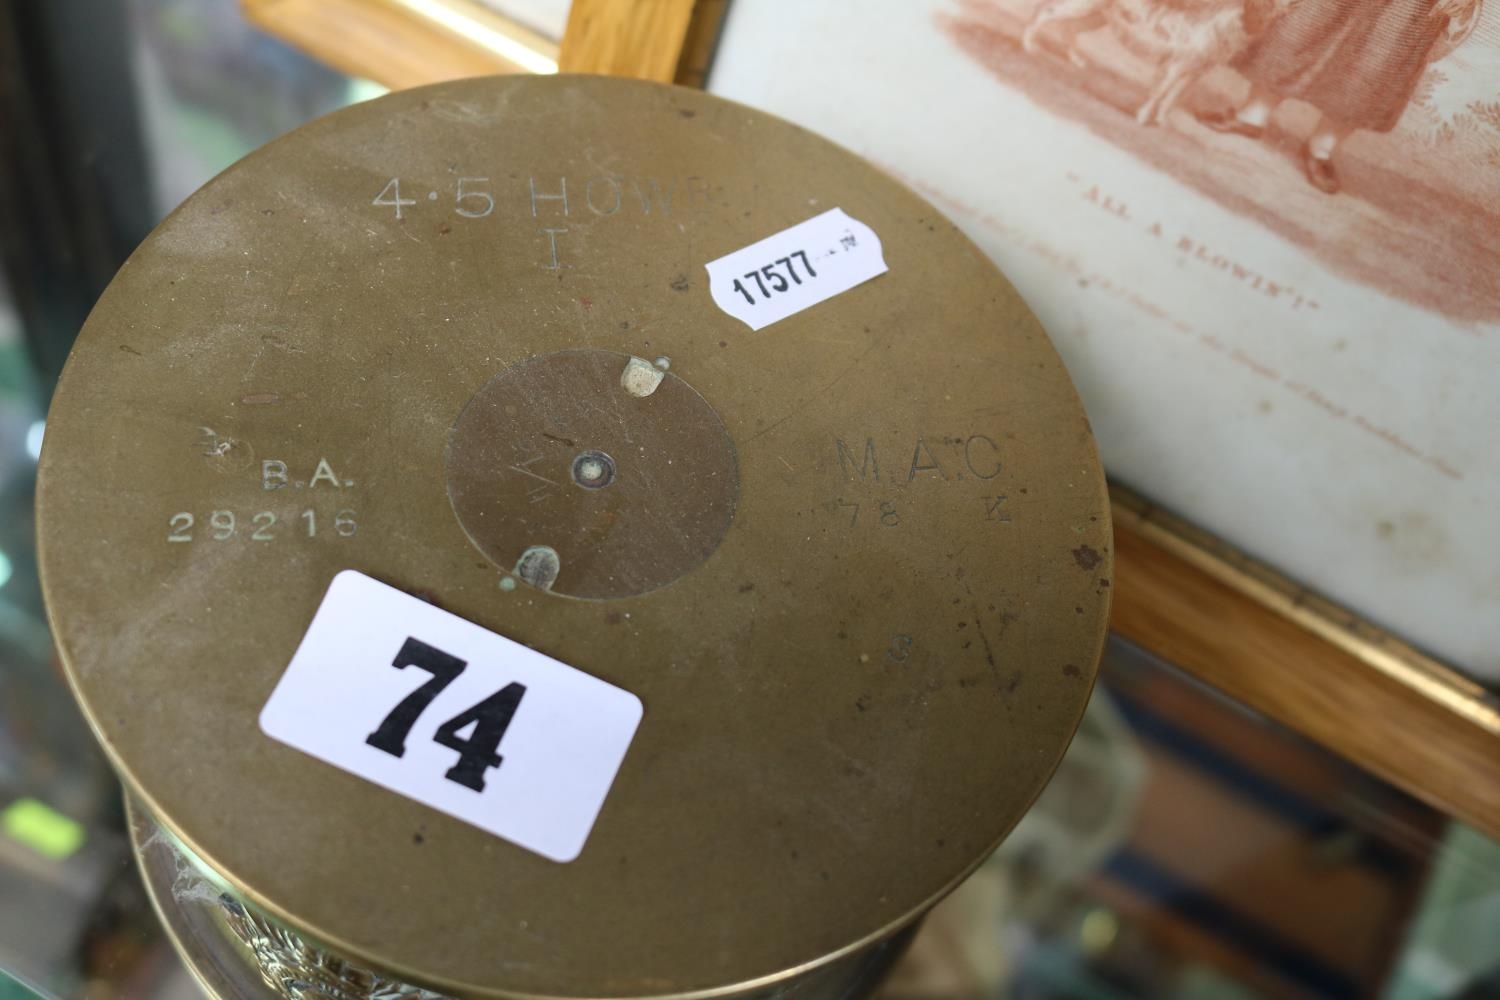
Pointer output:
x,y
612,618
745,588
1071,670
1085,557
680,283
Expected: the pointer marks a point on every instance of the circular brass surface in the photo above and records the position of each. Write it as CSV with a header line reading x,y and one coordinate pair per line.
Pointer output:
x,y
613,493
847,703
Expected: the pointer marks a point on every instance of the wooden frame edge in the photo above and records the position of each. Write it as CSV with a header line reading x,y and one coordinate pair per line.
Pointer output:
x,y
701,43
642,40
1306,663
1379,649
405,43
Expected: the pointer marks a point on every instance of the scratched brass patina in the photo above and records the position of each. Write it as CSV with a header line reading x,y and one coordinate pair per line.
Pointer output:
x,y
656,471
856,565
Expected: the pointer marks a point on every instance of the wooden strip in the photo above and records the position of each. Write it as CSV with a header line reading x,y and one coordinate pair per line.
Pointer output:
x,y
701,43
1334,623
643,39
400,43
1441,750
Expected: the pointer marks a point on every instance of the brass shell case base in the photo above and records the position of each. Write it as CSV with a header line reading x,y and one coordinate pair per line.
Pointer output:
x,y
856,563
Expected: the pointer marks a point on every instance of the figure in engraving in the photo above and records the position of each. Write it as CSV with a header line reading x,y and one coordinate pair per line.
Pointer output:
x,y
1183,39
1357,62
1367,132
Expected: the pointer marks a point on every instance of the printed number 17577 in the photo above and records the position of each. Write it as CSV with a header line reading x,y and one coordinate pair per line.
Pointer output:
x,y
778,281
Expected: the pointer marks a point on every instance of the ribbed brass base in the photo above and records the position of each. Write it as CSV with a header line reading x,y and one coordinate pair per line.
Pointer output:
x,y
237,953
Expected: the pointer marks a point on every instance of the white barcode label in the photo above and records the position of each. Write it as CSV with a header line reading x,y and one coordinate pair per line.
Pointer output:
x,y
798,267
433,707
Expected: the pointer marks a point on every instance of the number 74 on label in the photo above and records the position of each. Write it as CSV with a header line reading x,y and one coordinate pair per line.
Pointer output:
x,y
477,752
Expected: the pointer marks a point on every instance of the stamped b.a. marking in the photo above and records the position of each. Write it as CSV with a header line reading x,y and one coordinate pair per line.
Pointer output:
x,y
274,475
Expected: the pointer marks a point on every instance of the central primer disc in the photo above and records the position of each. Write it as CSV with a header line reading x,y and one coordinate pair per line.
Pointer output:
x,y
556,469
857,561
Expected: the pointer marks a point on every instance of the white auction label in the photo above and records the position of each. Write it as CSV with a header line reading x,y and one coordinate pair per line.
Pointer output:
x,y
468,722
797,268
